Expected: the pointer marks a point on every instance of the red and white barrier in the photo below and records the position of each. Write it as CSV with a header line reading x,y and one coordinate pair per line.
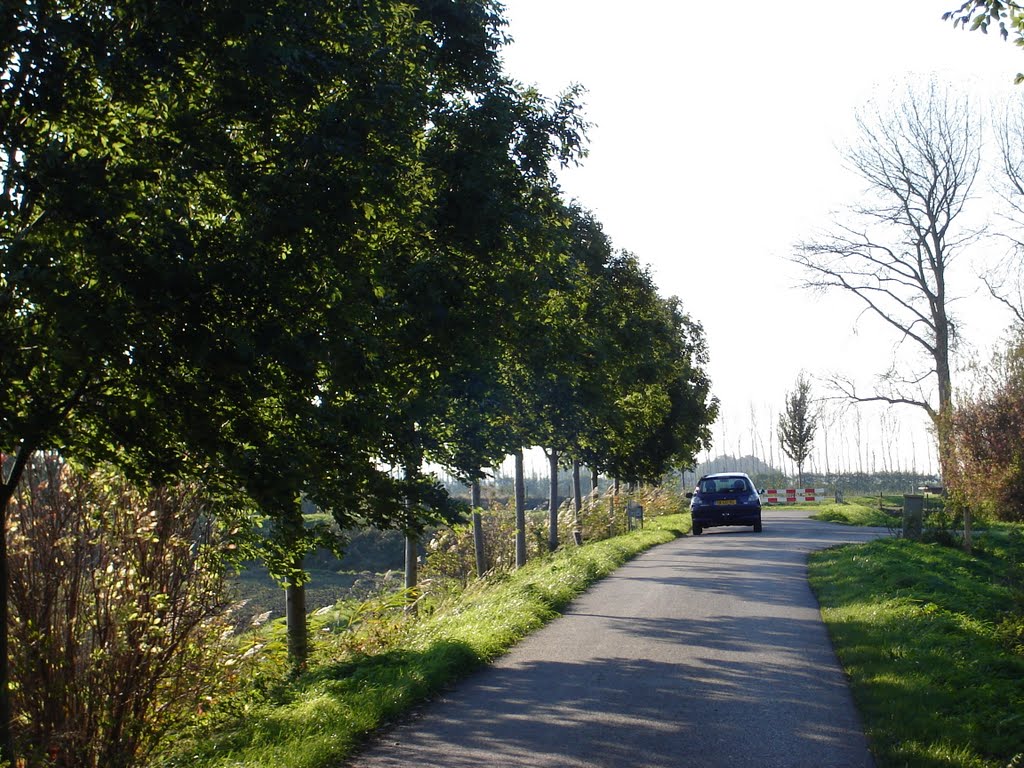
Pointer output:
x,y
793,495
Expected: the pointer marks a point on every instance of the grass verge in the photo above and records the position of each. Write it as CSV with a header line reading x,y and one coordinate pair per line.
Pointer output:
x,y
933,642
855,513
322,716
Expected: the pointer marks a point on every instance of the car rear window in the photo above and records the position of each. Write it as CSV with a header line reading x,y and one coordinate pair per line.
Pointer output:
x,y
723,485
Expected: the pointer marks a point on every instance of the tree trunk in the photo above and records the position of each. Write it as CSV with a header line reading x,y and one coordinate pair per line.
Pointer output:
x,y
295,619
553,500
411,575
412,468
520,511
611,506
478,530
577,493
594,478
942,422
6,707
293,532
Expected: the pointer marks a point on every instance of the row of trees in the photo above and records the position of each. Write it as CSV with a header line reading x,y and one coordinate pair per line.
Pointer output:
x,y
299,253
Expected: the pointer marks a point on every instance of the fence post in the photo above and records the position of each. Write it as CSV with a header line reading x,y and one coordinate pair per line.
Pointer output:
x,y
913,516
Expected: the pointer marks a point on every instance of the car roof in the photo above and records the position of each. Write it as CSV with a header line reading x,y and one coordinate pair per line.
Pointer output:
x,y
725,474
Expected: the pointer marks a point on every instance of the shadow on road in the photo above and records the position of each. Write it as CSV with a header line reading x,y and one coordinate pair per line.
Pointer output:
x,y
747,677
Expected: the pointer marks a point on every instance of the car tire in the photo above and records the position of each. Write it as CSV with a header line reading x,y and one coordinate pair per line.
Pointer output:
x,y
757,527
697,530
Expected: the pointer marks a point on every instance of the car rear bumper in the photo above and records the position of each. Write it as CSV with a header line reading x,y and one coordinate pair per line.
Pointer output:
x,y
710,517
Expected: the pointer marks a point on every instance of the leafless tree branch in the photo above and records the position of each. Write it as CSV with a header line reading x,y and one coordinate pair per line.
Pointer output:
x,y
920,160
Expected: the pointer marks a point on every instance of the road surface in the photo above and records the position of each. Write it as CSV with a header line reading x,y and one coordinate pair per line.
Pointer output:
x,y
707,651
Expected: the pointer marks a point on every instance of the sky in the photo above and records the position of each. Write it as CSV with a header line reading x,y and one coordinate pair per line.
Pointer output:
x,y
715,146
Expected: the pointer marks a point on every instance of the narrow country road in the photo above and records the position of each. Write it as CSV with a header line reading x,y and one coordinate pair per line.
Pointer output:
x,y
707,651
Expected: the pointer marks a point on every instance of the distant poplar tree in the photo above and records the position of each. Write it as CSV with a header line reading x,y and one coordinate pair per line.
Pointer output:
x,y
797,424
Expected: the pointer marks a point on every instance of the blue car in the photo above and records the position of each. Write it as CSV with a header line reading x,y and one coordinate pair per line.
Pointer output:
x,y
726,498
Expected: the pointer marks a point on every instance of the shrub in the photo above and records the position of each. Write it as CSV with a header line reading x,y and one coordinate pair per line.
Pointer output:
x,y
987,440
450,553
114,594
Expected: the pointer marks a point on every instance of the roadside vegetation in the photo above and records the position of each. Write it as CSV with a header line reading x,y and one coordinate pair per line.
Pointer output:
x,y
882,511
289,259
932,639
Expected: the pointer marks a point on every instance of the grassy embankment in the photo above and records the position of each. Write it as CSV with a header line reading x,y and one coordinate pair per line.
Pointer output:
x,y
933,642
858,511
317,719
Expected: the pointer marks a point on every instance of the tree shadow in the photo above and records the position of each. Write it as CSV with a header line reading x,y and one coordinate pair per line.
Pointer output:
x,y
619,712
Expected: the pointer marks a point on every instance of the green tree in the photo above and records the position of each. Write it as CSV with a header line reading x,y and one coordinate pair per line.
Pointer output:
x,y
798,424
197,208
653,406
489,157
117,237
983,14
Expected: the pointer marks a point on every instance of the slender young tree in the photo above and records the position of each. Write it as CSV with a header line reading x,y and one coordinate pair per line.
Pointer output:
x,y
798,424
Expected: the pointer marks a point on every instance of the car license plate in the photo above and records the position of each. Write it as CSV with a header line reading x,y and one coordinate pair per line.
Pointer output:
x,y
725,502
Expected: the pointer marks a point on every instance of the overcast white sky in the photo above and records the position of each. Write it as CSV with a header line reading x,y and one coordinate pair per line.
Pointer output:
x,y
714,150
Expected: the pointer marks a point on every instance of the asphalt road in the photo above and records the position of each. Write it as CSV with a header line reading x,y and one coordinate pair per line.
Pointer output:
x,y
707,651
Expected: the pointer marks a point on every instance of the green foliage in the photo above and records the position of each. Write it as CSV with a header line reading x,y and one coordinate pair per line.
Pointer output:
x,y
450,552
982,14
242,247
930,637
798,423
855,513
987,437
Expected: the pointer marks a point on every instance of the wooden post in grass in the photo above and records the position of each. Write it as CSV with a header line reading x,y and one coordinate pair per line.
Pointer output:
x,y
478,530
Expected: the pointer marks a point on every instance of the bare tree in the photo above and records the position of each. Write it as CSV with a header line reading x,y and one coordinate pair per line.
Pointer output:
x,y
829,415
1006,281
858,440
920,160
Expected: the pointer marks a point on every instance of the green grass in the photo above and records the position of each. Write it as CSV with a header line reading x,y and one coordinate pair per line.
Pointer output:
x,y
933,642
319,718
858,512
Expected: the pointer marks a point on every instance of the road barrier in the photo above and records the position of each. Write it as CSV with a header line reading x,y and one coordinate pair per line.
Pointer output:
x,y
793,495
